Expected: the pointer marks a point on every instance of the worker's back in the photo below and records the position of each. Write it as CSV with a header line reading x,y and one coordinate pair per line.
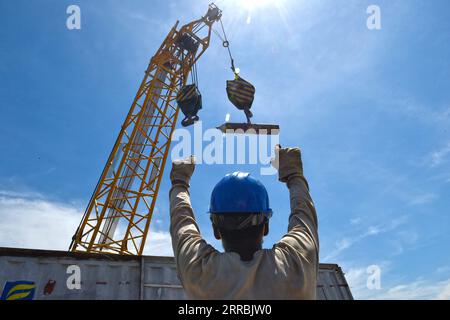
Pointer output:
x,y
287,271
271,274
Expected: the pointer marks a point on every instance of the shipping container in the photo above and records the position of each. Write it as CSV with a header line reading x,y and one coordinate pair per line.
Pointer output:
x,y
60,275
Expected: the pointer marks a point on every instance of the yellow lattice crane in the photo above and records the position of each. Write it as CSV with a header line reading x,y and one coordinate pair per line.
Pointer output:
x,y
117,218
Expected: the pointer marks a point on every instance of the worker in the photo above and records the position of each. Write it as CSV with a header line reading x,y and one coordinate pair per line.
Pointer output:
x,y
240,213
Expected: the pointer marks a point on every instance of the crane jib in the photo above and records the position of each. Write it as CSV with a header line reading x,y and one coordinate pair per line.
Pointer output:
x,y
117,218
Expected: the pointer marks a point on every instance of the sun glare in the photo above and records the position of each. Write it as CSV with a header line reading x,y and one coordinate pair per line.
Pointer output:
x,y
249,11
255,4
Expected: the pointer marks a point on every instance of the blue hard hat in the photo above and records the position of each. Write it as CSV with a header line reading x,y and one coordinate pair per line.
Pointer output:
x,y
238,192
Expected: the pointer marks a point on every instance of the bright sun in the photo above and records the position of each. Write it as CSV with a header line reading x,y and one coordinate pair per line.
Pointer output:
x,y
247,9
254,4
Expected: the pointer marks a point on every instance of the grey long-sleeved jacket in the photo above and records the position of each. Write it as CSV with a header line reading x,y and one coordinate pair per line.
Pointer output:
x,y
287,271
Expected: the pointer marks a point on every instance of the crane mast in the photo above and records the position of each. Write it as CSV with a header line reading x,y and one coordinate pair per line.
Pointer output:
x,y
117,218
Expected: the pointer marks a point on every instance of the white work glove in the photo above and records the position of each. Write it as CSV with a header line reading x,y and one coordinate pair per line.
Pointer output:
x,y
182,170
288,162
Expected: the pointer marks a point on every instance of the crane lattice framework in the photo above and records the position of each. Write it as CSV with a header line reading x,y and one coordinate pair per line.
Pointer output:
x,y
117,218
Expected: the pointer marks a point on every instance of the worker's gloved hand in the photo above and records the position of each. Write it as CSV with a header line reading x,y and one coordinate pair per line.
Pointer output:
x,y
288,162
182,170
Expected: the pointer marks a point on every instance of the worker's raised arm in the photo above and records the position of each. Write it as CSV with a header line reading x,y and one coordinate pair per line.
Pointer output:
x,y
182,220
187,242
302,229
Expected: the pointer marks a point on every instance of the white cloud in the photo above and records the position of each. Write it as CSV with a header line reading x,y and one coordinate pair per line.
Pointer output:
x,y
423,199
415,290
357,280
403,241
409,107
444,294
347,242
159,243
30,220
344,244
391,184
439,156
443,269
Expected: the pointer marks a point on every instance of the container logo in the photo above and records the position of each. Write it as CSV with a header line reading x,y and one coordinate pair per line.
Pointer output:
x,y
18,290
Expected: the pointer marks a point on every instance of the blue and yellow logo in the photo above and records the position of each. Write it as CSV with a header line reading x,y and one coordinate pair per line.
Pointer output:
x,y
18,290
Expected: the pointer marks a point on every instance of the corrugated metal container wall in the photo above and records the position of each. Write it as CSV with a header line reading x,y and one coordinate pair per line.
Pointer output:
x,y
47,275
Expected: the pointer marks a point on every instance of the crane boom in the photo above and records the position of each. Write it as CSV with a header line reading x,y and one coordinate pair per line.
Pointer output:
x,y
117,218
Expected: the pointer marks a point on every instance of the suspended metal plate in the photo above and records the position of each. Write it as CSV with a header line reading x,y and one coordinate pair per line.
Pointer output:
x,y
249,128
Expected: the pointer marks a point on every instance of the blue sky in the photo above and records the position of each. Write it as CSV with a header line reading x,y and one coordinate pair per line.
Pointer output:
x,y
369,108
